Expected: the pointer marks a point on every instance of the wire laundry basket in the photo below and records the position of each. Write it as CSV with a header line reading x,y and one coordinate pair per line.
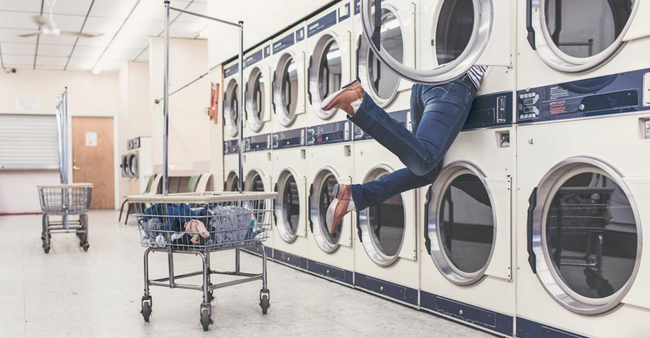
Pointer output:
x,y
62,199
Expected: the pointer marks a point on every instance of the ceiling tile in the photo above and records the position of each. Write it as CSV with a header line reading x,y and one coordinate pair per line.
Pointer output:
x,y
143,27
54,50
100,41
17,20
18,48
21,5
75,7
51,60
118,9
50,67
123,54
82,63
58,40
87,52
11,35
106,26
195,7
185,30
144,57
18,60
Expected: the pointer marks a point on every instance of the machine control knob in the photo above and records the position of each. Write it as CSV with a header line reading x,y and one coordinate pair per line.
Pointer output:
x,y
581,107
460,312
381,288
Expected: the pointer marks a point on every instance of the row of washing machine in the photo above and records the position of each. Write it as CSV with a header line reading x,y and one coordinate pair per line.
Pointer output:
x,y
534,226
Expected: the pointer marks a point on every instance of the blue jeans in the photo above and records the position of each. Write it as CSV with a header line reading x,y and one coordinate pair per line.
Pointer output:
x,y
438,114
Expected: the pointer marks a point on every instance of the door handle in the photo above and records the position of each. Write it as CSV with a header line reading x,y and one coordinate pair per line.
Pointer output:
x,y
74,166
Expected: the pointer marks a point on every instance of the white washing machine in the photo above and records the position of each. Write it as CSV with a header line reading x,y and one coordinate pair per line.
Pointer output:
x,y
583,99
467,243
289,79
290,210
257,91
230,113
329,64
258,169
329,162
386,88
386,236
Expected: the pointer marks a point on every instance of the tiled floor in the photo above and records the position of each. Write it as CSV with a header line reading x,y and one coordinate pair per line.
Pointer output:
x,y
71,293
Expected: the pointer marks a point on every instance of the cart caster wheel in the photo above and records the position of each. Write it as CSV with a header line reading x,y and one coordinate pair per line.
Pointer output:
x,y
265,303
46,249
86,246
146,311
205,320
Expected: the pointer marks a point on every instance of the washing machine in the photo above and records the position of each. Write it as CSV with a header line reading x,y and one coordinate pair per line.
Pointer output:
x,y
329,162
257,91
386,88
258,169
230,113
583,104
329,64
289,79
386,258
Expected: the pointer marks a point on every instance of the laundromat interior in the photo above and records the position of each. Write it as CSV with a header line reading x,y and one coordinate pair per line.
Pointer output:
x,y
325,168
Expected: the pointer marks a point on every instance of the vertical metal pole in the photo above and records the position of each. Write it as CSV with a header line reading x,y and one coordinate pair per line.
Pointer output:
x,y
66,148
241,108
166,105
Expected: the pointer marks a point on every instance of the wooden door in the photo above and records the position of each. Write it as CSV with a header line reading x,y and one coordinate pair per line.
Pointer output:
x,y
93,160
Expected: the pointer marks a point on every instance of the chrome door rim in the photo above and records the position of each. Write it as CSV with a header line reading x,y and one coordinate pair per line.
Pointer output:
x,y
314,211
447,72
254,123
279,205
438,255
286,118
560,61
314,78
364,56
546,273
229,111
367,240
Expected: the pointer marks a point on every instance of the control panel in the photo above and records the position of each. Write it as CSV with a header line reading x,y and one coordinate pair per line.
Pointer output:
x,y
494,110
335,132
257,143
289,139
231,147
400,116
604,95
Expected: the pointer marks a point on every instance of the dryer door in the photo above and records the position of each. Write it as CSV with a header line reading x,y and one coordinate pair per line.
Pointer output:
x,y
454,35
289,87
231,108
321,196
257,98
578,35
290,207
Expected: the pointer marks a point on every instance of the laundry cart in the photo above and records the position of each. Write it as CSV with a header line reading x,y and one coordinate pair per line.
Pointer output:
x,y
199,224
65,209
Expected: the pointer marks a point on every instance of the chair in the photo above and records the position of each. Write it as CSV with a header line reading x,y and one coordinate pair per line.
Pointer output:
x,y
154,181
193,183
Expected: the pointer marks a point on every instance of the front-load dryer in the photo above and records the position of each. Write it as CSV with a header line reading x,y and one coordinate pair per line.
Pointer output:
x,y
329,162
230,113
257,90
258,168
467,262
583,196
289,79
386,257
329,65
386,88
290,210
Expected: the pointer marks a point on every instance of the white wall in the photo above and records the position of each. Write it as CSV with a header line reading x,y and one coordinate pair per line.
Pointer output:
x,y
89,95
189,127
262,19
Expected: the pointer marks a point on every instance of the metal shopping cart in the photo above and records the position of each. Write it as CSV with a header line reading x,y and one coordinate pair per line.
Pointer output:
x,y
64,201
198,224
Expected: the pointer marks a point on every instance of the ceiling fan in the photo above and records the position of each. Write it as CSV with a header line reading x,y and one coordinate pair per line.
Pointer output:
x,y
50,27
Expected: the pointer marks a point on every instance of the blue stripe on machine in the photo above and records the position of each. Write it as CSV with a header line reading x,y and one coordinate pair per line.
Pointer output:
x,y
234,69
490,320
331,272
267,51
289,139
254,58
335,132
395,291
399,116
290,259
284,43
322,24
257,143
344,12
530,329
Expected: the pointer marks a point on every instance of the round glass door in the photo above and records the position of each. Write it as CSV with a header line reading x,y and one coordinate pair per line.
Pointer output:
x,y
454,35
133,165
461,224
286,90
383,226
257,185
322,196
255,100
231,108
586,236
326,73
232,182
287,206
577,35
381,80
